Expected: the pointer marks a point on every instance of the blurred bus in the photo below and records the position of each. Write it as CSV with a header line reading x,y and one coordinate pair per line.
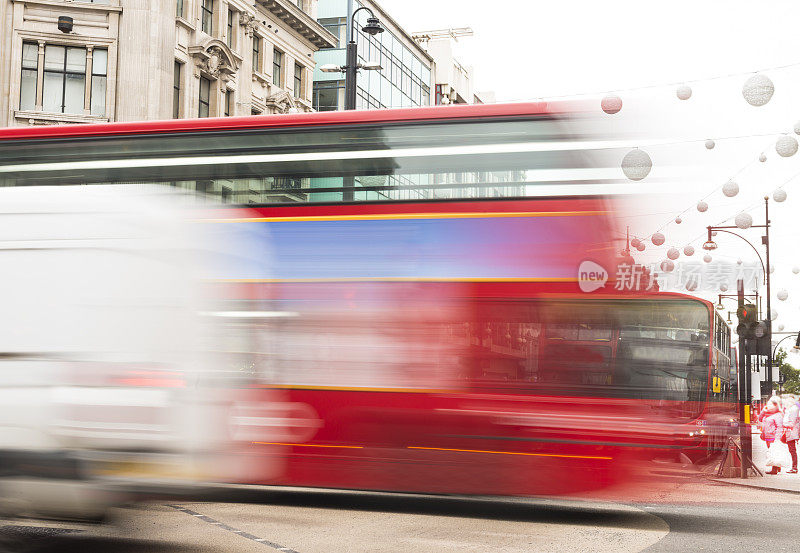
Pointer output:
x,y
423,308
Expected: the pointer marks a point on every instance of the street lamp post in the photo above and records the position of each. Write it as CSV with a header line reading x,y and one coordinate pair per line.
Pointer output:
x,y
711,245
350,70
795,335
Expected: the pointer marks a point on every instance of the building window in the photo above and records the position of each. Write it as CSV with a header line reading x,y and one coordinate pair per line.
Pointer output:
x,y
299,3
30,75
298,80
229,37
257,53
179,8
326,95
254,111
277,62
228,103
176,91
64,79
337,27
205,97
207,15
99,81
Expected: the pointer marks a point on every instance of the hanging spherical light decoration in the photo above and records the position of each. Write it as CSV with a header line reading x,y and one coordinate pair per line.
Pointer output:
x,y
782,295
658,239
796,269
611,104
684,92
688,251
667,266
710,144
763,157
779,195
673,253
744,220
707,258
640,247
730,189
723,287
691,285
678,220
635,242
786,146
702,206
758,90
738,261
636,164
771,268
781,327
773,314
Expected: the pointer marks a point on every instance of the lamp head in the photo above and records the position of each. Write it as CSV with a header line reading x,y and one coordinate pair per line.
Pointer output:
x,y
373,26
330,68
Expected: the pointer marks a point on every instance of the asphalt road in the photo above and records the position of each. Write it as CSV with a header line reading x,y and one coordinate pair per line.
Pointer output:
x,y
694,514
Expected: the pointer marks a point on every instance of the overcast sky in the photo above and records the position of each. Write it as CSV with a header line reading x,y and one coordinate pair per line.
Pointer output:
x,y
525,50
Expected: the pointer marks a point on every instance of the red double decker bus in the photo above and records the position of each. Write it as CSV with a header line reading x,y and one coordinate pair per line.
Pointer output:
x,y
421,306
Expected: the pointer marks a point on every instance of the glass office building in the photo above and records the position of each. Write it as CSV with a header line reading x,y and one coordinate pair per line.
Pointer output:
x,y
404,81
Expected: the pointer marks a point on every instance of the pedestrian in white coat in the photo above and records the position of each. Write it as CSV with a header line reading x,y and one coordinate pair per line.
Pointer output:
x,y
791,427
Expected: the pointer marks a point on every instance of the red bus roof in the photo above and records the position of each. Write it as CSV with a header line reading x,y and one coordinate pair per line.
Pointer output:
x,y
286,120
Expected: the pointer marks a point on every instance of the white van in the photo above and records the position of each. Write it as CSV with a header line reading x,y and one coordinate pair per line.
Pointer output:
x,y
112,379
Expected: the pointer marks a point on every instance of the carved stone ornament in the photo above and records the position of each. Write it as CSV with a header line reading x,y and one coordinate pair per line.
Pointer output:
x,y
282,102
249,22
215,60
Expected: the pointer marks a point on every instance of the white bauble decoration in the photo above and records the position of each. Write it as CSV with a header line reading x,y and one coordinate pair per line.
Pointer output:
x,y
771,268
691,285
667,266
611,104
796,269
763,157
797,128
658,239
773,314
730,189
758,90
635,242
684,92
738,261
782,295
710,144
688,251
702,206
781,327
779,195
786,146
636,164
673,253
723,287
678,220
707,258
744,220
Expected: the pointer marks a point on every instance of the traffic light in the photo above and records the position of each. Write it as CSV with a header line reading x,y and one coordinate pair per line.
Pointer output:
x,y
748,321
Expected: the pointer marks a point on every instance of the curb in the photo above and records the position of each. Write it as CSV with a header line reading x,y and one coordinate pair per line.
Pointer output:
x,y
754,486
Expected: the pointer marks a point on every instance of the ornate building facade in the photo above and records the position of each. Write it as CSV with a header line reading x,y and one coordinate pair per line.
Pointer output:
x,y
87,61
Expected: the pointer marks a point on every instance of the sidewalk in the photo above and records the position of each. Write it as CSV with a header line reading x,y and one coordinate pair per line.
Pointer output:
x,y
779,482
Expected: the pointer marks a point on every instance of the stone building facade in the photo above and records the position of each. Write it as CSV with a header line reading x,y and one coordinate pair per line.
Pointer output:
x,y
131,60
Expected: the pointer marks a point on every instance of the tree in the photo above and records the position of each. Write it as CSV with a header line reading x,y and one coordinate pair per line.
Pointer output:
x,y
791,376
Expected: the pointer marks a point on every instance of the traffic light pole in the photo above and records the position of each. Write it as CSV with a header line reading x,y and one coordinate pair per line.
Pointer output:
x,y
745,431
765,241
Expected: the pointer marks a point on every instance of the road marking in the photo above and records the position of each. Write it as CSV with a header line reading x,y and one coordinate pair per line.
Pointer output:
x,y
241,533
